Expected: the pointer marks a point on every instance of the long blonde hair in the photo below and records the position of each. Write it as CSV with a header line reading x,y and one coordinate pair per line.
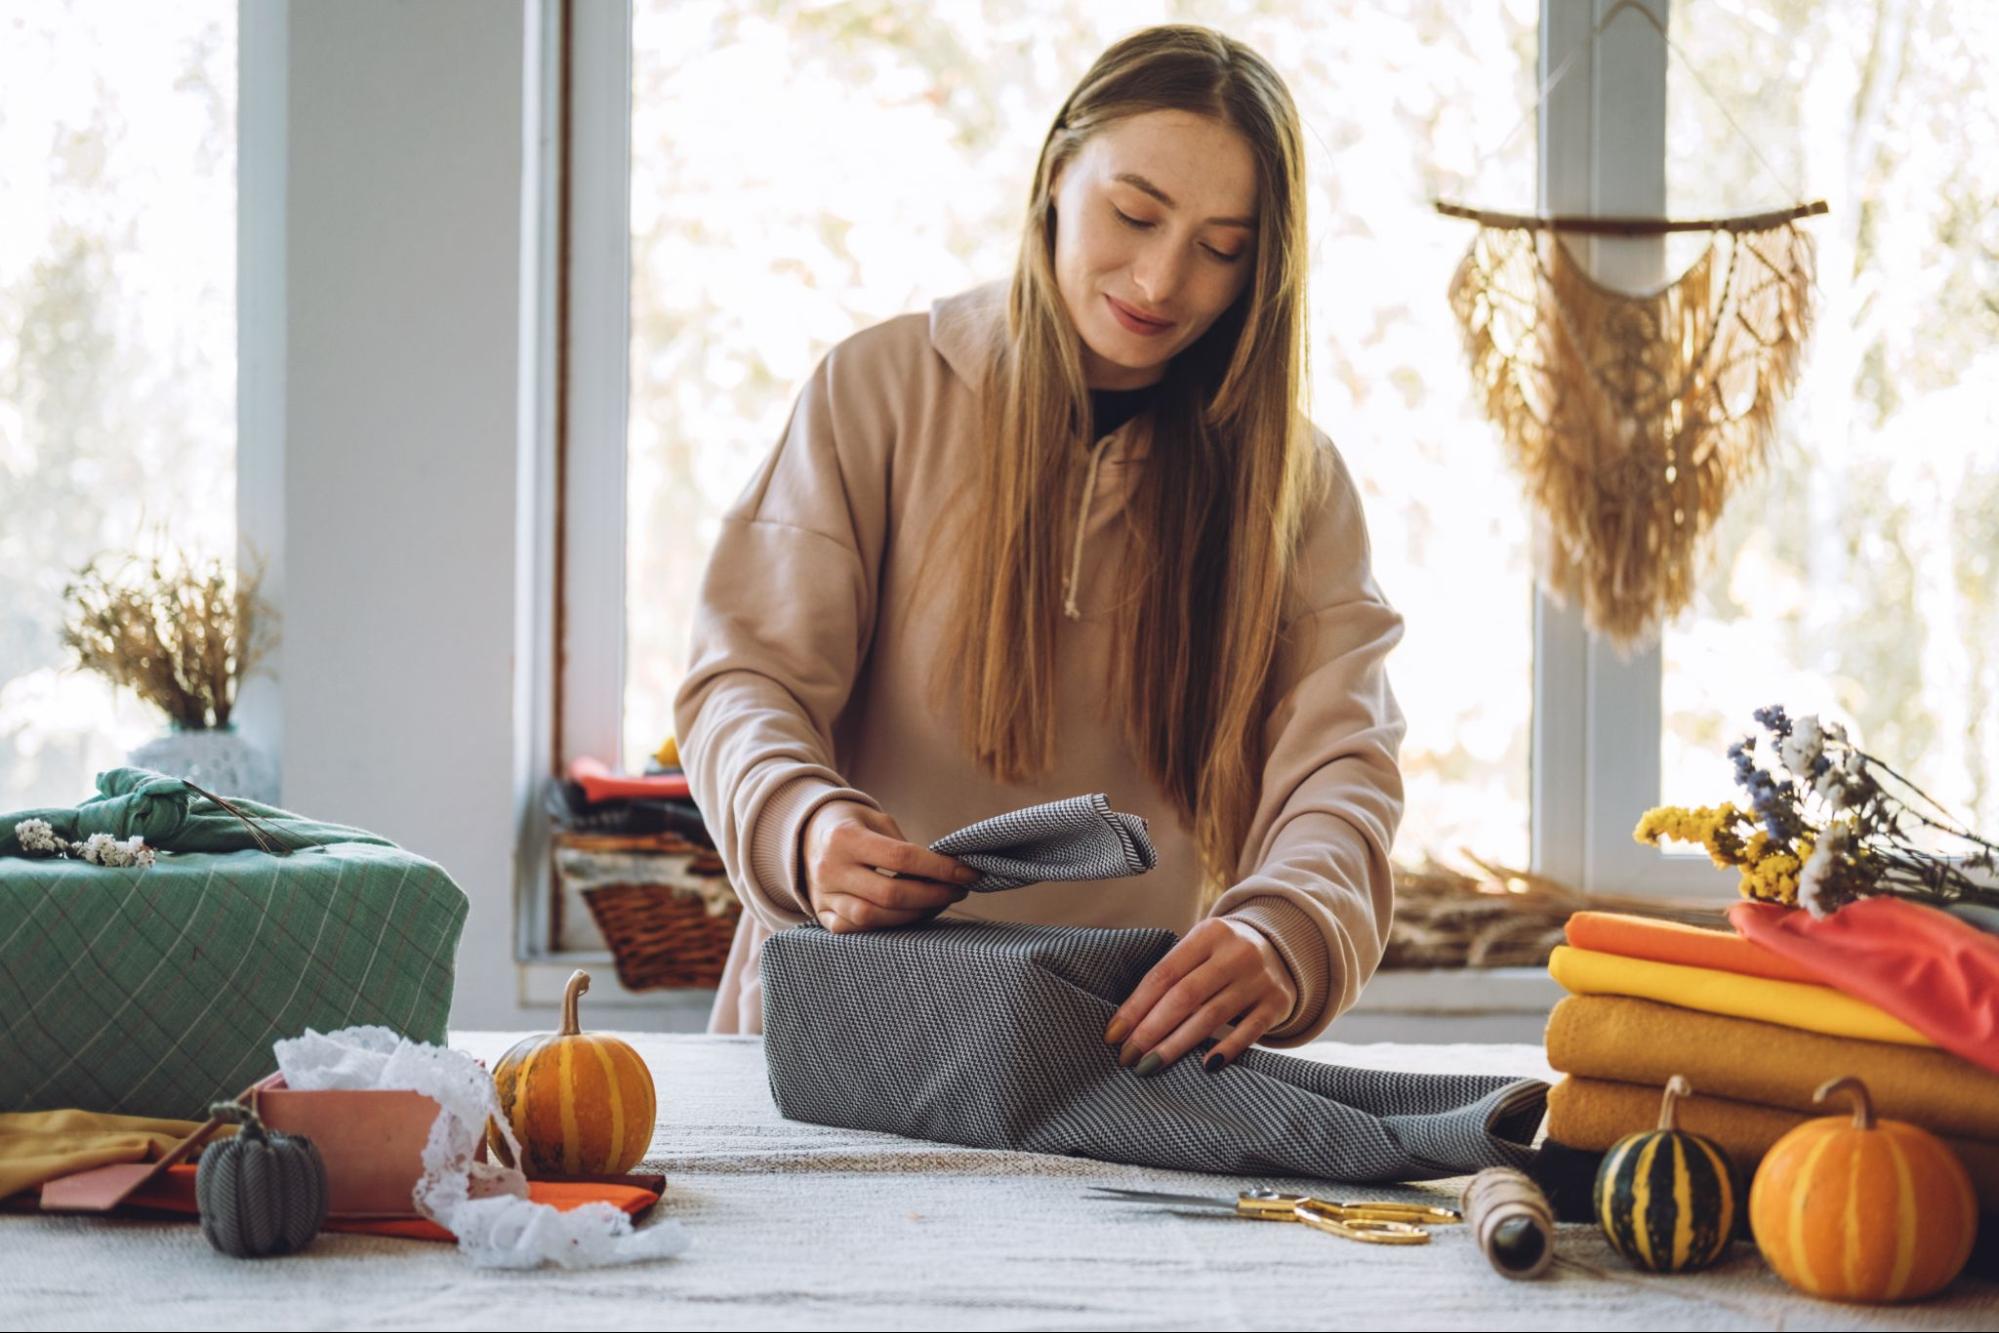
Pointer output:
x,y
1217,511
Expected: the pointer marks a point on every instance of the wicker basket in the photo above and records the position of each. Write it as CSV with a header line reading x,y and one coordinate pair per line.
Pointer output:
x,y
662,902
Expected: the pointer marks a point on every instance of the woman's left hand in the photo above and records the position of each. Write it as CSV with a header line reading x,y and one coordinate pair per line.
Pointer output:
x,y
1222,971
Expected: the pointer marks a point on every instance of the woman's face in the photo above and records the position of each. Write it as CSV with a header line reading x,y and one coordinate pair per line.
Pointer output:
x,y
1154,218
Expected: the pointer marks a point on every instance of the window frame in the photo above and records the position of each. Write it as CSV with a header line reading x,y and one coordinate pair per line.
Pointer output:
x,y
585,189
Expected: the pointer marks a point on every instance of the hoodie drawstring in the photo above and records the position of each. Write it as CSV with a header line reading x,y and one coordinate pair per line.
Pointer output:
x,y
1082,517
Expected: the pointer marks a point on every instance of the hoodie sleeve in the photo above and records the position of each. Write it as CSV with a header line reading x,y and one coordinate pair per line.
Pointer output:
x,y
784,619
1314,873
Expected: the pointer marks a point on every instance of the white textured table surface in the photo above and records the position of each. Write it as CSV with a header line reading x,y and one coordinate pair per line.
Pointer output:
x,y
800,1226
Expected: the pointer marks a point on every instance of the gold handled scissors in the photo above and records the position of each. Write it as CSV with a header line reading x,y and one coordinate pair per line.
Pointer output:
x,y
1376,1223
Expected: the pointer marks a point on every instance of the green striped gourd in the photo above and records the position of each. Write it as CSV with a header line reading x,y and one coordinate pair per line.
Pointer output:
x,y
1665,1198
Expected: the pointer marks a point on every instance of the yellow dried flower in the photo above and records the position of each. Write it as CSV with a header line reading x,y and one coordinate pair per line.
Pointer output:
x,y
1771,875
1709,826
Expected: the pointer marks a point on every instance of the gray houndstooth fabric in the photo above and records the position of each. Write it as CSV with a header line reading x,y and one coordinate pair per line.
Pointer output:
x,y
991,1035
1077,838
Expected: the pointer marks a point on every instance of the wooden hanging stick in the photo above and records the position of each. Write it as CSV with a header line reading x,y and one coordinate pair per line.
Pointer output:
x,y
1631,226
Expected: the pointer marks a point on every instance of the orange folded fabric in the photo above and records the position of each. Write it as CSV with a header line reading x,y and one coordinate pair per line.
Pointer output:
x,y
172,1191
1677,942
1595,1113
1936,973
599,783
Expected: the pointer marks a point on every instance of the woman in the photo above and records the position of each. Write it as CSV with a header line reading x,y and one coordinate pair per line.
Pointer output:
x,y
1073,534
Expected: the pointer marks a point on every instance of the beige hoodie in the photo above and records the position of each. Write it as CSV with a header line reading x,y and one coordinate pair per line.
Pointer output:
x,y
816,627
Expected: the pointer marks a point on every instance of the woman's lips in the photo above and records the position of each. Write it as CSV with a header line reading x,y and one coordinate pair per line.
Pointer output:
x,y
1145,328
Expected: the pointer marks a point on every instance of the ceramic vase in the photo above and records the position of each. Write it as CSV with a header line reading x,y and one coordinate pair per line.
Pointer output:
x,y
217,759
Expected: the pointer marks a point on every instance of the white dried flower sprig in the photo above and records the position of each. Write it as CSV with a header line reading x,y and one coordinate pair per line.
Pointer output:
x,y
1816,893
38,835
1848,835
99,849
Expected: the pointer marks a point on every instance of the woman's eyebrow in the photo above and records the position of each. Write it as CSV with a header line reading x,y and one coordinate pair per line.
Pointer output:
x,y
1132,178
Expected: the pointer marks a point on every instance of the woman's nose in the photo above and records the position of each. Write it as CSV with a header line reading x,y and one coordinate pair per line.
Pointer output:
x,y
1156,274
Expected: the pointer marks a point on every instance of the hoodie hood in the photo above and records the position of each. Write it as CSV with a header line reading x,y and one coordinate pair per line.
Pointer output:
x,y
966,328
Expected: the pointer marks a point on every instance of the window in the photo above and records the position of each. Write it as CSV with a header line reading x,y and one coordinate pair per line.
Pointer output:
x,y
117,343
798,173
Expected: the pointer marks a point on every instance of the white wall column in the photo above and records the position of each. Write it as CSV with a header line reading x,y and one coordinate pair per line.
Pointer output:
x,y
402,454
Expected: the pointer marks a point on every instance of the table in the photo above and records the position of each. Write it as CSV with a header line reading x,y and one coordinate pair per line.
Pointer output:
x,y
803,1226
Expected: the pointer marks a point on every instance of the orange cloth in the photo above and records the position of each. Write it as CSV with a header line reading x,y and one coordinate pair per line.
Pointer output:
x,y
1929,969
173,1191
1594,1113
599,783
1676,942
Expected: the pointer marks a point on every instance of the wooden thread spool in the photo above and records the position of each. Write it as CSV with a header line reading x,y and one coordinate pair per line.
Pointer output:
x,y
1511,1220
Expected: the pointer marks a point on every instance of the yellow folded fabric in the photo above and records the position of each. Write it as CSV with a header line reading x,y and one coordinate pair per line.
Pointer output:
x,y
1644,1041
38,1146
1595,1113
1788,1003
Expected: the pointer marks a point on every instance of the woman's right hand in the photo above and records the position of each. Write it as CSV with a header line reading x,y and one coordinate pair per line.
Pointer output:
x,y
844,842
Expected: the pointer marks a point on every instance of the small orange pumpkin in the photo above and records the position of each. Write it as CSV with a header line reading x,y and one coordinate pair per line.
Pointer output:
x,y
1859,1209
580,1103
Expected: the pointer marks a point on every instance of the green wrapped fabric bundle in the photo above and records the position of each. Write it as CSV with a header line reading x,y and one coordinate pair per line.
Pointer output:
x,y
157,990
173,815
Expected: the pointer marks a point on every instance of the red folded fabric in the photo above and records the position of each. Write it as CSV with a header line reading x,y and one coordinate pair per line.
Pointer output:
x,y
601,784
172,1191
1924,966
1676,942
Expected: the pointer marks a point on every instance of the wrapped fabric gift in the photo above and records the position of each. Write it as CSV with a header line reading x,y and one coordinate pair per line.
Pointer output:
x,y
158,989
991,1035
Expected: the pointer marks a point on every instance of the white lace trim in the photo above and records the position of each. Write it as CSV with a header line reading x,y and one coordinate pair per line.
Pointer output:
x,y
483,1204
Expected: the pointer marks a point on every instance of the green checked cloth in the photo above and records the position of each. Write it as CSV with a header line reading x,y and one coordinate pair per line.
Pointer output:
x,y
158,990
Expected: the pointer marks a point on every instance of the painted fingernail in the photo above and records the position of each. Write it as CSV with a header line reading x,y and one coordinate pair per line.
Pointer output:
x,y
1149,1065
1116,1032
1127,1057
1214,1062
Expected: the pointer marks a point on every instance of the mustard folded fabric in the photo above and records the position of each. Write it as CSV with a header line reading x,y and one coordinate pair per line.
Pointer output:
x,y
1595,1113
1790,1004
1644,1041
39,1146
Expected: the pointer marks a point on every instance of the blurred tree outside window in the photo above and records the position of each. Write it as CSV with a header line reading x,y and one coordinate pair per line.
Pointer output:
x,y
802,172
1859,578
117,342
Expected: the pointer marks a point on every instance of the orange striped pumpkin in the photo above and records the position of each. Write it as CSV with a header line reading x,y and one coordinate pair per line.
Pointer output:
x,y
1859,1209
580,1103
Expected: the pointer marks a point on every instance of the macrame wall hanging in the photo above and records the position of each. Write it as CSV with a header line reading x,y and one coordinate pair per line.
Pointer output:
x,y
1632,418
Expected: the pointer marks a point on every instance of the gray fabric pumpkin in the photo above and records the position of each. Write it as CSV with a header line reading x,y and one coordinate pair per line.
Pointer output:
x,y
261,1192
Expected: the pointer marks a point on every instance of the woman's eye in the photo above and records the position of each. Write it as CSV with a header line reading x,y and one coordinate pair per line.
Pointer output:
x,y
1138,225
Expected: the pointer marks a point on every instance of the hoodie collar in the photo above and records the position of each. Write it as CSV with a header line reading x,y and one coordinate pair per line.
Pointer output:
x,y
964,328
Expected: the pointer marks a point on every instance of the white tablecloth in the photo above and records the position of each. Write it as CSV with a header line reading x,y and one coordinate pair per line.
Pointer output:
x,y
800,1226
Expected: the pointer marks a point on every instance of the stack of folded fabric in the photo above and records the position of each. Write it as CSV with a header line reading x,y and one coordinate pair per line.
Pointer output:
x,y
1902,996
593,799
